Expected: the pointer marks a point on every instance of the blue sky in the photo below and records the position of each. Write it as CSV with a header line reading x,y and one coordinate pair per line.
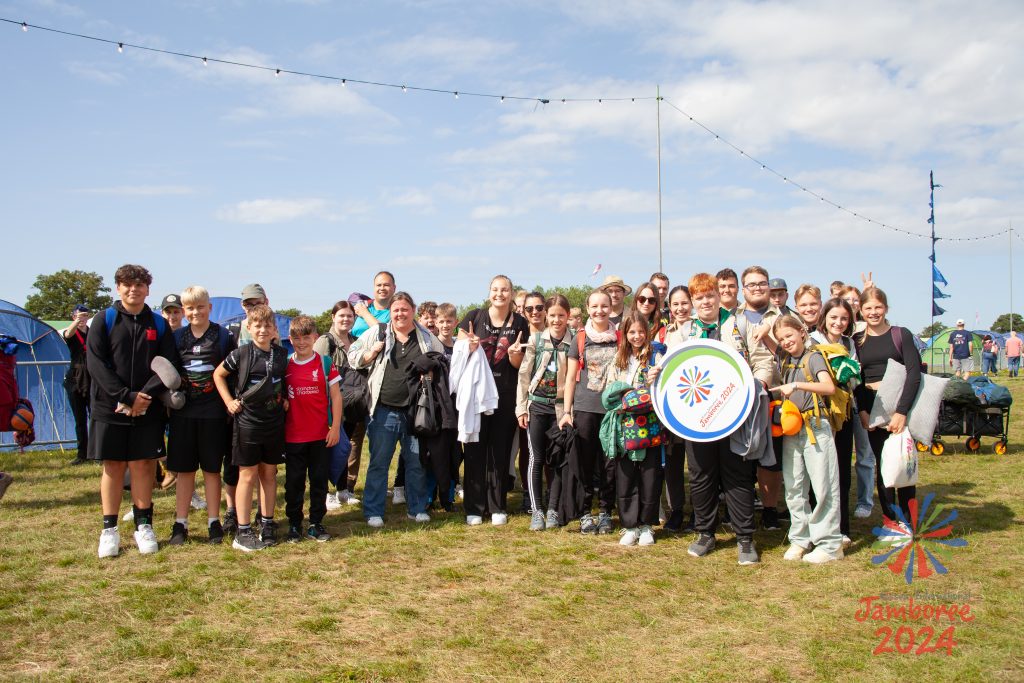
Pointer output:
x,y
220,176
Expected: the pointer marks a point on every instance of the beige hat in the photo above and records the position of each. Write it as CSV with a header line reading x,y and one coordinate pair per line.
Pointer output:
x,y
615,281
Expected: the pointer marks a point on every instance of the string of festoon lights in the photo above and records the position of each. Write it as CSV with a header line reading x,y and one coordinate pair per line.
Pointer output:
x,y
539,100
823,199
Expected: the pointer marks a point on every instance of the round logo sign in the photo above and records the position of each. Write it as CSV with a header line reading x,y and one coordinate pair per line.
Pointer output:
x,y
705,390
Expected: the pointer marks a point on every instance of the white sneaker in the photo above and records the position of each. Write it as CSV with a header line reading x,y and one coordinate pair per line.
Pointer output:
x,y
459,493
375,522
110,543
198,503
499,518
862,512
819,556
474,520
421,517
794,552
628,536
129,516
646,536
145,538
332,502
398,496
346,498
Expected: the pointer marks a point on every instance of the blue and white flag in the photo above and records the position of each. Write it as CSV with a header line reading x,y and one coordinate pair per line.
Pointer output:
x,y
937,276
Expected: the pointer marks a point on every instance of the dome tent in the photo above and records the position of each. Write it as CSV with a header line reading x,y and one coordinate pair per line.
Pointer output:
x,y
41,361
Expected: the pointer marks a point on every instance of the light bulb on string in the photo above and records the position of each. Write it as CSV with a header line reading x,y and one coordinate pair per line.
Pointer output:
x,y
205,63
404,89
120,47
343,83
502,100
456,94
24,27
277,72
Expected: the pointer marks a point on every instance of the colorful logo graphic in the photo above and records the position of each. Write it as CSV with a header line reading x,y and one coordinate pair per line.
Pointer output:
x,y
910,548
694,385
705,390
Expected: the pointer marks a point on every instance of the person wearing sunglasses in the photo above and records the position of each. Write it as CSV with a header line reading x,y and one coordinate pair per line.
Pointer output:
x,y
647,303
535,312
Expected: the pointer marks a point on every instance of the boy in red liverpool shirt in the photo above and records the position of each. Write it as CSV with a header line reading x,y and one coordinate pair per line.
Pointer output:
x,y
312,426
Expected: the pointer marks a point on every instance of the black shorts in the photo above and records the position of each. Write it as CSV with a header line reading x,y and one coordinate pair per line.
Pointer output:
x,y
195,443
143,440
254,450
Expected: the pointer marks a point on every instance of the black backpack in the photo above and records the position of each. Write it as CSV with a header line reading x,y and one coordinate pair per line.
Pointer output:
x,y
355,387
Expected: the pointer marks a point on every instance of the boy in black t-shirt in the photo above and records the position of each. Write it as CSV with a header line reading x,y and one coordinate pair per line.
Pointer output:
x,y
200,435
258,372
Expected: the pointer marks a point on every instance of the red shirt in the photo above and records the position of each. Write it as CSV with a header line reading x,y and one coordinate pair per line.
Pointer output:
x,y
306,419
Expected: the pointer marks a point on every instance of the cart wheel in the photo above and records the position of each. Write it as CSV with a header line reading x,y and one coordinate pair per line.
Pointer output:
x,y
999,448
921,447
938,448
973,444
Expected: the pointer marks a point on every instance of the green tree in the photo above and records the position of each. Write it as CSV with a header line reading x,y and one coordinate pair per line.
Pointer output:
x,y
1002,323
59,292
290,312
324,321
931,330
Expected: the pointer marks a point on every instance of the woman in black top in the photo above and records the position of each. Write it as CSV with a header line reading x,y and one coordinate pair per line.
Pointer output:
x,y
501,333
877,344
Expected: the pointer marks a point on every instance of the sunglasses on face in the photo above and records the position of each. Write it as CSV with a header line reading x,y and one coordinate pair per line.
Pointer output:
x,y
647,299
533,309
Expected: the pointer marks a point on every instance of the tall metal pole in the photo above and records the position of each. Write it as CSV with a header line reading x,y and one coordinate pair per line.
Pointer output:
x,y
1011,276
661,266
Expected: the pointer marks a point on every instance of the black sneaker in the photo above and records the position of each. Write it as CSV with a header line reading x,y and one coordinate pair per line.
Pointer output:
x,y
588,525
247,542
78,461
604,523
179,534
317,532
675,522
783,514
230,523
216,532
268,533
704,544
294,534
747,552
770,519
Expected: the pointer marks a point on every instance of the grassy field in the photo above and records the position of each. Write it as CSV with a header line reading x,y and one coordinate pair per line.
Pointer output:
x,y
447,602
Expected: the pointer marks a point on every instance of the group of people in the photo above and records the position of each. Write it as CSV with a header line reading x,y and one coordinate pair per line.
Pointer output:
x,y
522,380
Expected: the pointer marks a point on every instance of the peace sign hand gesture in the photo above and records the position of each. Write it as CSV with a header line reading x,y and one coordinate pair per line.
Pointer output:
x,y
518,346
474,341
868,282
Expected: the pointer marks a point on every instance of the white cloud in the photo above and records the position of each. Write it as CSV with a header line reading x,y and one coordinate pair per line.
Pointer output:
x,y
454,53
263,211
495,211
96,72
412,198
139,190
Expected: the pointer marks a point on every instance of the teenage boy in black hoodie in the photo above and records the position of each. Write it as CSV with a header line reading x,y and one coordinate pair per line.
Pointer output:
x,y
126,430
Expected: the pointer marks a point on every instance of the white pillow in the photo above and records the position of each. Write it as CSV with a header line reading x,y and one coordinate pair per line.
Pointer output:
x,y
924,413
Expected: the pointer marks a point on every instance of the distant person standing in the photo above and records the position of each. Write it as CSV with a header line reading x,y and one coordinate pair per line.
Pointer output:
x,y
617,290
76,381
171,310
989,355
1013,349
961,347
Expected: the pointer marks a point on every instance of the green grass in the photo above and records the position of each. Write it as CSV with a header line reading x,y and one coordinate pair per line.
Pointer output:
x,y
445,602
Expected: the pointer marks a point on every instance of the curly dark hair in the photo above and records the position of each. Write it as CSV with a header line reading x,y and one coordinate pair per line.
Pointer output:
x,y
129,273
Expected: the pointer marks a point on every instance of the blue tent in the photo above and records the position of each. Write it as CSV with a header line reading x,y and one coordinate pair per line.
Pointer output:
x,y
42,361
225,310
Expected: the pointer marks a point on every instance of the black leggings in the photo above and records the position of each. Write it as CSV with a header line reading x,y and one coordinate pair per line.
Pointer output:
x,y
537,439
638,486
597,472
488,461
844,451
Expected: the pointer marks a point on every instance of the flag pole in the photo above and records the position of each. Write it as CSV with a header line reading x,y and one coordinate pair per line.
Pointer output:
x,y
661,267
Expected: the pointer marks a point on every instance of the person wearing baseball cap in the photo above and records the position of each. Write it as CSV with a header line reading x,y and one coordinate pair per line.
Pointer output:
x,y
252,295
617,290
961,348
778,294
171,310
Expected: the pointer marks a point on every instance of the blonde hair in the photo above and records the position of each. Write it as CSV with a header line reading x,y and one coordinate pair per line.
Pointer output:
x,y
447,310
789,321
195,295
804,290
